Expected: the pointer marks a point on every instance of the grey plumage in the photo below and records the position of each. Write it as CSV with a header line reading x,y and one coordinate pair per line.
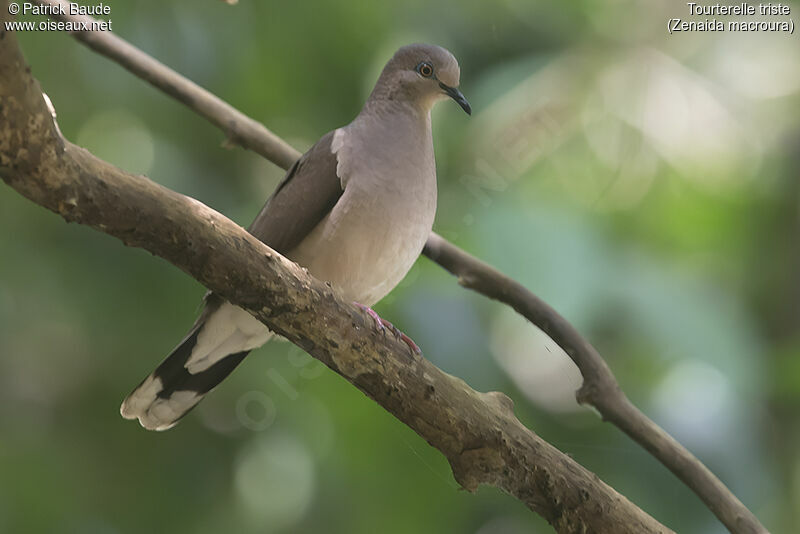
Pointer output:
x,y
304,197
355,210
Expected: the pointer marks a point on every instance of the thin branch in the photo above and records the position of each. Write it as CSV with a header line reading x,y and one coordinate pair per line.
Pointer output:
x,y
477,432
600,388
239,128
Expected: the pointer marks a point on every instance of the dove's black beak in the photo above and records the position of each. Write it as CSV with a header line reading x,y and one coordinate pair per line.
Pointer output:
x,y
456,95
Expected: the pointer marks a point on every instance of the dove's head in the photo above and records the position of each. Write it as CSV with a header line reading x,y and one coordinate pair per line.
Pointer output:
x,y
421,74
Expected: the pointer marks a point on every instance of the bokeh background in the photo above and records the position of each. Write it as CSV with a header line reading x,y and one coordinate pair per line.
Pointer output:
x,y
647,185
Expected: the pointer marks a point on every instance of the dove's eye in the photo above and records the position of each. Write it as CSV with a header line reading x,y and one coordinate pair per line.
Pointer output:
x,y
425,69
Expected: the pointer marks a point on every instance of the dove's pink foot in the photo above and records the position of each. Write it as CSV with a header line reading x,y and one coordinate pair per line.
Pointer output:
x,y
371,313
404,338
383,324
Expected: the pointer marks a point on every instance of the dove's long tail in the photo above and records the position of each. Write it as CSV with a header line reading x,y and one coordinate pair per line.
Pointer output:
x,y
223,335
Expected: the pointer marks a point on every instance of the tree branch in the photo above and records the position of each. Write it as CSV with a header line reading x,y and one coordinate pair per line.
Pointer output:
x,y
239,128
600,388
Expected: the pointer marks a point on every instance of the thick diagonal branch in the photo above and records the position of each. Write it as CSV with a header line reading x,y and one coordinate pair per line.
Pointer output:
x,y
600,388
477,432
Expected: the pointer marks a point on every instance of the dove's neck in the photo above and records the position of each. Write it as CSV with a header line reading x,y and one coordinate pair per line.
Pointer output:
x,y
398,138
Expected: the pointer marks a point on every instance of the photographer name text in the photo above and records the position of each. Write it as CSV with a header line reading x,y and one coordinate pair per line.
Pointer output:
x,y
64,9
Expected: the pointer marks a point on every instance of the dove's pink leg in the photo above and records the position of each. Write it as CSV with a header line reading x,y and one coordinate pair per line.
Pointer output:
x,y
383,324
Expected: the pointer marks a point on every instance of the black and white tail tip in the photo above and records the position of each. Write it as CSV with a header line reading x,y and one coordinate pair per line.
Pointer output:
x,y
171,391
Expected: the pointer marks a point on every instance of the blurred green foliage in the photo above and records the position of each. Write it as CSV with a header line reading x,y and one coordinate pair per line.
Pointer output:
x,y
645,184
